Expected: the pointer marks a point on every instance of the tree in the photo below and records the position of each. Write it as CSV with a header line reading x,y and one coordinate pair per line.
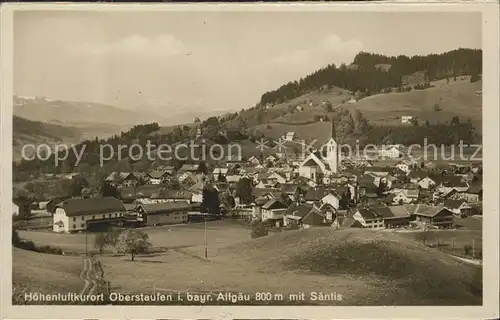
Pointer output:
x,y
381,188
202,167
133,242
285,199
244,189
77,185
258,229
109,238
107,190
210,202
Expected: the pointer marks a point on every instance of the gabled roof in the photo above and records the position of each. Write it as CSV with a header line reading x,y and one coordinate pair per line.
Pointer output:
x,y
313,218
189,167
158,174
299,210
289,188
86,206
273,204
152,208
454,181
393,212
121,175
452,204
475,189
424,209
369,214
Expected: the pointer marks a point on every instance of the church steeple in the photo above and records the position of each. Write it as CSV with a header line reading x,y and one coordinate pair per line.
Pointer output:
x,y
333,134
331,150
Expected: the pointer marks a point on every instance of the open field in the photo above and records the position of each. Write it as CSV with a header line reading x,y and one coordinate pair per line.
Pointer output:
x,y
366,267
455,99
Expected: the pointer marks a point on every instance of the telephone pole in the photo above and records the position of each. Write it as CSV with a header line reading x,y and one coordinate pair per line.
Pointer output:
x,y
206,243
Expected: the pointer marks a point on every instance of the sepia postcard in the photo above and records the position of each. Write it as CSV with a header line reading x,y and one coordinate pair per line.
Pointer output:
x,y
258,161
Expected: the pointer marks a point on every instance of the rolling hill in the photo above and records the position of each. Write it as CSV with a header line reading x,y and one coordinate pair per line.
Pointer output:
x,y
366,267
456,98
34,132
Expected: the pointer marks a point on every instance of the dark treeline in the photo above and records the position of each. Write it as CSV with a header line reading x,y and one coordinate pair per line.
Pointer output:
x,y
366,77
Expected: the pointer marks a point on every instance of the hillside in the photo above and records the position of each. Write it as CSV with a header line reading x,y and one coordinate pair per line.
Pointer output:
x,y
34,132
454,99
366,267
395,263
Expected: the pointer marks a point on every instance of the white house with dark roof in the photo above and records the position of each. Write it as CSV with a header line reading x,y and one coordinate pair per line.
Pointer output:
x,y
73,215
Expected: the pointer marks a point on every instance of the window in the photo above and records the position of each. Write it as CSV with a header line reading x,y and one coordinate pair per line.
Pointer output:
x,y
74,218
74,226
83,218
93,217
82,225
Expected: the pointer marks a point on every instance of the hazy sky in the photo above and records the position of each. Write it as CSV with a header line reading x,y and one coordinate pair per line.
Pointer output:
x,y
212,60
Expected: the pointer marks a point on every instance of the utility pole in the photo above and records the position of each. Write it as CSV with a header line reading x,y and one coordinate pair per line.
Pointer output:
x,y
206,243
86,240
473,249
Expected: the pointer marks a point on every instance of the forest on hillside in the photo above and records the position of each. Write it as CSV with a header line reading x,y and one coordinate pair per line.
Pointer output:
x,y
365,76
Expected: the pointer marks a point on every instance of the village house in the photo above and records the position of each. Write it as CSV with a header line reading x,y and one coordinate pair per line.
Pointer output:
x,y
273,212
455,182
406,119
369,218
158,177
122,179
290,136
303,216
405,166
427,183
73,215
196,191
253,160
431,215
460,208
474,193
389,152
153,214
278,177
404,196
219,172
392,216
21,206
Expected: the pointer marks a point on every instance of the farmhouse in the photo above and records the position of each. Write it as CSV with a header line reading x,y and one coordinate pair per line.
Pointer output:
x,y
122,179
273,211
393,216
458,207
163,213
474,193
158,177
79,214
390,152
434,215
406,119
369,218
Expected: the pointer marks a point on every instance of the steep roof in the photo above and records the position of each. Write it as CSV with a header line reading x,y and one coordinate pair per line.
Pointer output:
x,y
86,206
314,218
299,210
152,208
424,209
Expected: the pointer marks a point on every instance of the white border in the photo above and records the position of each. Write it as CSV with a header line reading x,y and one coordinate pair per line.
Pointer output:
x,y
490,48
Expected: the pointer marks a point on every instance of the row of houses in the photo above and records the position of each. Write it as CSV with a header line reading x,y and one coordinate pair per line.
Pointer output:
x,y
76,215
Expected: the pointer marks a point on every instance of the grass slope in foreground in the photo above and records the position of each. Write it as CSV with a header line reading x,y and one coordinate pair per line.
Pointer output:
x,y
365,267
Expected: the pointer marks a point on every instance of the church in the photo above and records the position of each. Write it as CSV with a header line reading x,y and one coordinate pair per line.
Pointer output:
x,y
321,164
